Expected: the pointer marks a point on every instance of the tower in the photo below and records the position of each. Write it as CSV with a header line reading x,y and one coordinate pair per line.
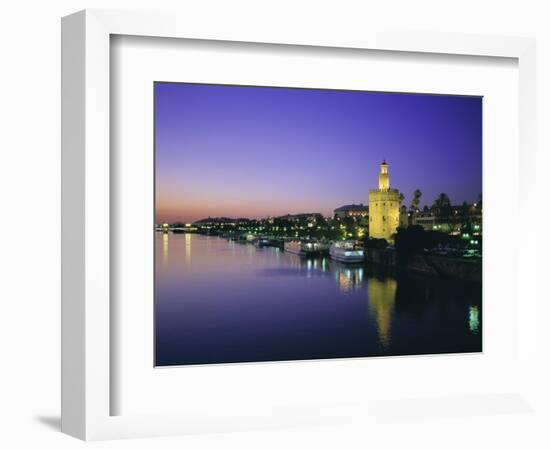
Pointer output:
x,y
384,207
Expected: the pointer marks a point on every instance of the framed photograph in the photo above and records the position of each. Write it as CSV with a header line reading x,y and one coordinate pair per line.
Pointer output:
x,y
265,228
270,246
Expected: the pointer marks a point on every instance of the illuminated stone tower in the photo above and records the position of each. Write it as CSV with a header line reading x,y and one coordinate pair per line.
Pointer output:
x,y
384,206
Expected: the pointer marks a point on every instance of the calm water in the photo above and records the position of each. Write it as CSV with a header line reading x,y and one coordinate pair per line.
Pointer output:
x,y
219,302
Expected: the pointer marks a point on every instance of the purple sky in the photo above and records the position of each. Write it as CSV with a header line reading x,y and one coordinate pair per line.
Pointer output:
x,y
257,152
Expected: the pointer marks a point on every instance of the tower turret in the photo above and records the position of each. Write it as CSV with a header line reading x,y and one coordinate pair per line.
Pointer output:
x,y
384,177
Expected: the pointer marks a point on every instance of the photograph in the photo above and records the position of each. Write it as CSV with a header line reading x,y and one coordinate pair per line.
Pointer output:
x,y
298,223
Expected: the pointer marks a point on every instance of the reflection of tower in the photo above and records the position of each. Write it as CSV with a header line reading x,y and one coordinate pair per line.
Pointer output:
x,y
384,205
381,306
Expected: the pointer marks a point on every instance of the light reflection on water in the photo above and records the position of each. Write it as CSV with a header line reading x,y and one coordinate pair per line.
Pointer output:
x,y
221,301
473,319
165,238
349,277
188,248
381,307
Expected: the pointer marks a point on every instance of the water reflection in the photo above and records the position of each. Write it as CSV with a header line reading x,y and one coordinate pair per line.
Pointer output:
x,y
188,248
221,301
165,247
473,319
381,307
349,278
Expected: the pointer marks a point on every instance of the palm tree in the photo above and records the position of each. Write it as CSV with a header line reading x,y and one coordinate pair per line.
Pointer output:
x,y
416,200
465,211
401,198
442,206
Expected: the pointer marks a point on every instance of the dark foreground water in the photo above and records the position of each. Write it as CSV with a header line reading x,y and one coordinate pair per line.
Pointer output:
x,y
219,302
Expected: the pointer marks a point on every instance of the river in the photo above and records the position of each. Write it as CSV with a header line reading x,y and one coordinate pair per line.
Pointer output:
x,y
218,301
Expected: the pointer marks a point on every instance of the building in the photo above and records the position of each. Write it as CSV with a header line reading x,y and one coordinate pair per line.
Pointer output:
x,y
358,211
302,217
459,218
222,221
404,217
384,207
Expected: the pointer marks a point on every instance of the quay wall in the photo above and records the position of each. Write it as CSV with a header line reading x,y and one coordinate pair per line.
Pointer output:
x,y
443,266
383,257
463,269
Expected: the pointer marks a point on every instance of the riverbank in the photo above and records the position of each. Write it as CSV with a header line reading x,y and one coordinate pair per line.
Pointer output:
x,y
435,265
460,268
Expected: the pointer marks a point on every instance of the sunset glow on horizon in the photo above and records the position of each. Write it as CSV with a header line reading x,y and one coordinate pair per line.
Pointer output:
x,y
258,152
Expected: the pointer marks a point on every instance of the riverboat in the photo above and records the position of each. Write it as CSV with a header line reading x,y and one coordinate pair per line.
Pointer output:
x,y
347,251
303,248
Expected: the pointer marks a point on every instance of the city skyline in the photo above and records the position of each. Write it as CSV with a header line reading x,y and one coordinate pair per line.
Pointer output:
x,y
260,152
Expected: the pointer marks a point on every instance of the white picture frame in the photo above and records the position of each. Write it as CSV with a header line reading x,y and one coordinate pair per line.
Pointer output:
x,y
86,246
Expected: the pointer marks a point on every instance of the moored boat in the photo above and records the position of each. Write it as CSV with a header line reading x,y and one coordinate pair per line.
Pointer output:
x,y
303,248
347,251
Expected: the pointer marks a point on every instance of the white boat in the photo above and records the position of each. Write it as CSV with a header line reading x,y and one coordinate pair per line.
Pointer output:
x,y
347,251
303,248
